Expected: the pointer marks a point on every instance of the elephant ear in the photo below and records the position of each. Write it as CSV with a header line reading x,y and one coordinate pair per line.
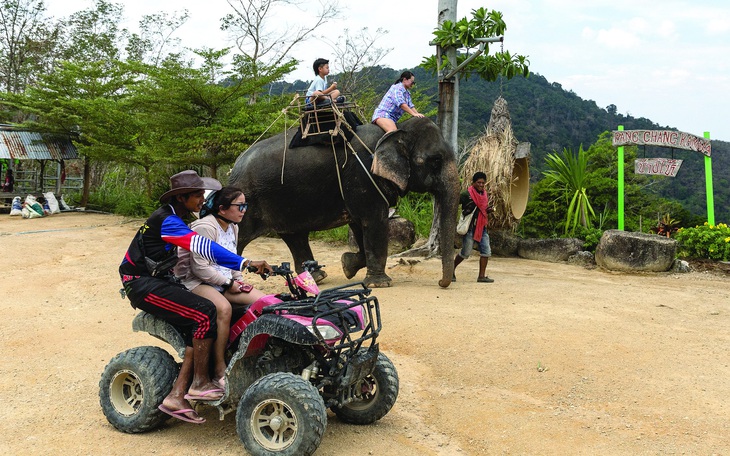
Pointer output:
x,y
391,159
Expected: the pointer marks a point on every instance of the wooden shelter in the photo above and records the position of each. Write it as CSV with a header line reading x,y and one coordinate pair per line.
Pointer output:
x,y
18,144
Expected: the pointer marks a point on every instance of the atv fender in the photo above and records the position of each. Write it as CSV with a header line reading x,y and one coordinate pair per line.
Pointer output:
x,y
253,338
274,326
160,329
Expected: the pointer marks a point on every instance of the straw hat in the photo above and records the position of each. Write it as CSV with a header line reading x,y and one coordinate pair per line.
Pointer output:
x,y
189,181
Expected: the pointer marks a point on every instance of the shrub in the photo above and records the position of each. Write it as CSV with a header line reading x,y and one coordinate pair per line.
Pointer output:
x,y
705,241
590,236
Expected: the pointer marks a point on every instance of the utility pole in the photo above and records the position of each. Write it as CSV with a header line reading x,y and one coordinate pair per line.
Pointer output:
x,y
448,109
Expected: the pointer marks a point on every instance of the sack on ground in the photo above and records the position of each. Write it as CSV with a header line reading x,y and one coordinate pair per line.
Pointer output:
x,y
35,210
16,207
52,202
464,222
63,204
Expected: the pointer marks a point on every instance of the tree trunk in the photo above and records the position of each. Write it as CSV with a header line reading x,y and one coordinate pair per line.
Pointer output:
x,y
87,182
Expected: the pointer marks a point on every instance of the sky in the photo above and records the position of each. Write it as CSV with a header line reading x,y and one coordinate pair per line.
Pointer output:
x,y
665,60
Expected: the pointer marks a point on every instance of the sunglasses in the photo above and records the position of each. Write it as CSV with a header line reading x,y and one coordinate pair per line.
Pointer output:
x,y
241,206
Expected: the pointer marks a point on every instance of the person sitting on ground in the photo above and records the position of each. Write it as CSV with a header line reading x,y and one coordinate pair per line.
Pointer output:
x,y
223,286
9,181
146,273
318,93
395,103
476,196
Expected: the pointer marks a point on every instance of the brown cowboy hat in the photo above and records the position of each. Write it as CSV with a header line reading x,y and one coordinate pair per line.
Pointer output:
x,y
187,182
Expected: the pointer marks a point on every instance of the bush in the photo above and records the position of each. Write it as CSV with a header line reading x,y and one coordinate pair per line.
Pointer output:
x,y
590,236
418,208
705,242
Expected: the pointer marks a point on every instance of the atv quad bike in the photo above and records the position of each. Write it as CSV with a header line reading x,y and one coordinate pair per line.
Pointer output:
x,y
292,356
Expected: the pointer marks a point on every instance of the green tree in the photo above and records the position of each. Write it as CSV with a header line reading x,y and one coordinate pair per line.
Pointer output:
x,y
201,116
569,173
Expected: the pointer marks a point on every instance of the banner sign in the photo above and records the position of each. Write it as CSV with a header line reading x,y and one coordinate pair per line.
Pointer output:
x,y
657,166
665,138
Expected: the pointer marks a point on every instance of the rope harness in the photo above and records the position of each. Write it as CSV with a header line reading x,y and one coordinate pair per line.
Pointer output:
x,y
339,119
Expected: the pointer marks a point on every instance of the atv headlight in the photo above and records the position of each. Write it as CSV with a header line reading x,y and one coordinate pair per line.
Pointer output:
x,y
365,316
327,332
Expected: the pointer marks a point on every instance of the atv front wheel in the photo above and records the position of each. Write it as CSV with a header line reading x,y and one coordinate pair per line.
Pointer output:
x,y
379,391
133,385
281,414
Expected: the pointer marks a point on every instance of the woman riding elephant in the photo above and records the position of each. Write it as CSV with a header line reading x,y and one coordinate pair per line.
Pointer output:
x,y
293,192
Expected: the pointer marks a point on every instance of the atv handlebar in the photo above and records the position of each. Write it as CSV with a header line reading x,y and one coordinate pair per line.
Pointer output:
x,y
285,268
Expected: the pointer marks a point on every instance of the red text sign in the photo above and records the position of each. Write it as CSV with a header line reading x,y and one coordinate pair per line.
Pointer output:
x,y
657,166
666,138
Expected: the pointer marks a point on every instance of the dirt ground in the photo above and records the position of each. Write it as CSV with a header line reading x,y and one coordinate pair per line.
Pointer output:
x,y
549,359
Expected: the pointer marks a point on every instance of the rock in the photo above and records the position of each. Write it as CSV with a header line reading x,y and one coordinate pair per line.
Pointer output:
x,y
629,251
552,250
402,235
680,266
583,258
503,243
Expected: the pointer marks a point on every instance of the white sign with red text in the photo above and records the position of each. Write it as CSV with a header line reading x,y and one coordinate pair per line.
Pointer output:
x,y
657,166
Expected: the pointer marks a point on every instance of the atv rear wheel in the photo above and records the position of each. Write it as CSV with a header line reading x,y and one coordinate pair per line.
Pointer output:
x,y
133,385
379,392
281,414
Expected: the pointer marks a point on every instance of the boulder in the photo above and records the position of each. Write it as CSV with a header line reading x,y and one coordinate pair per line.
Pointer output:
x,y
552,250
401,235
583,258
629,251
503,243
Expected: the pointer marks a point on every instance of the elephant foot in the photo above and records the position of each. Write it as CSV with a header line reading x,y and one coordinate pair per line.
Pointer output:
x,y
319,275
351,263
377,281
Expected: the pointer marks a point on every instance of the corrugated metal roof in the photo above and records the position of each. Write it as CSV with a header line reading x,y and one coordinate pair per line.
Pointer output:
x,y
29,145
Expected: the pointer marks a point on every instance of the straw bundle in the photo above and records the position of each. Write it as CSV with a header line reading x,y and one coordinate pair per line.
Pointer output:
x,y
494,154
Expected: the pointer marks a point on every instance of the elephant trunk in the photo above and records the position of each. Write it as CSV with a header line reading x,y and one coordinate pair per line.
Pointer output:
x,y
449,204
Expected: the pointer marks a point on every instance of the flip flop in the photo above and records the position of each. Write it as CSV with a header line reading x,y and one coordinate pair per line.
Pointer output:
x,y
182,414
220,382
210,395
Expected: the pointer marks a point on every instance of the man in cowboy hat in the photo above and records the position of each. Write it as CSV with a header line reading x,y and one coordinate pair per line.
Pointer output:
x,y
146,273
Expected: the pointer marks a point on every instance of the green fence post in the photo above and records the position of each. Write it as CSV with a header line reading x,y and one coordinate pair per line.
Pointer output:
x,y
708,187
621,184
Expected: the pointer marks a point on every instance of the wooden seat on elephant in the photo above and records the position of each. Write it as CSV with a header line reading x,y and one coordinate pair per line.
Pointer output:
x,y
321,123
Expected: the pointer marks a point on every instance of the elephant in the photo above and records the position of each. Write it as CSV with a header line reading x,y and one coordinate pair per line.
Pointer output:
x,y
293,191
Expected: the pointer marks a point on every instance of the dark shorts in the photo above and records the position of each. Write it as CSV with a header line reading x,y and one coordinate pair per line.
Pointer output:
x,y
193,315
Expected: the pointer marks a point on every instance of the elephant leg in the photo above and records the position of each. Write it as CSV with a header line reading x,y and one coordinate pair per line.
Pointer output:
x,y
353,262
375,240
298,244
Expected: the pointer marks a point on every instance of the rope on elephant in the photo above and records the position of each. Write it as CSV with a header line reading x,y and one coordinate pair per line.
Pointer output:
x,y
340,116
367,172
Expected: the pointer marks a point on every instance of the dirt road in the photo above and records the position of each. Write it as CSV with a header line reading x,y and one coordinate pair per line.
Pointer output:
x,y
549,359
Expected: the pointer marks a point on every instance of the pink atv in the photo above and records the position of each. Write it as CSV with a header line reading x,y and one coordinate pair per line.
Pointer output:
x,y
292,356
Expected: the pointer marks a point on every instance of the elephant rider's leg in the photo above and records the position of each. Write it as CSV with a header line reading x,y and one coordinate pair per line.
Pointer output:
x,y
298,244
353,262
